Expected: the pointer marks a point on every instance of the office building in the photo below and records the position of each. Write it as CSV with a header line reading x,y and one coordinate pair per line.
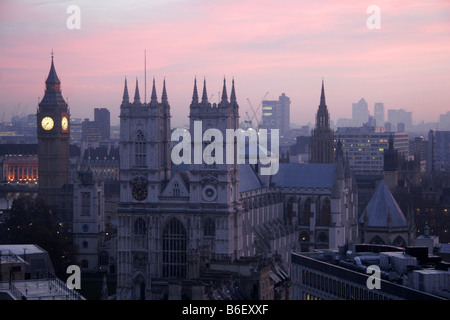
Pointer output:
x,y
396,116
438,151
360,112
378,113
404,274
103,118
364,146
99,129
276,114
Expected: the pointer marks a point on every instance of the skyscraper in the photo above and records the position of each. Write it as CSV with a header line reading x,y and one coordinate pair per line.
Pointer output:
x,y
378,113
103,118
276,114
360,112
53,140
396,116
322,141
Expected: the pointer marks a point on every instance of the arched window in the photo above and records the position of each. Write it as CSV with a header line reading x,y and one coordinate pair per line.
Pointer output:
x,y
377,240
176,189
399,242
326,212
209,228
84,264
140,227
306,212
103,258
174,246
322,237
139,150
85,244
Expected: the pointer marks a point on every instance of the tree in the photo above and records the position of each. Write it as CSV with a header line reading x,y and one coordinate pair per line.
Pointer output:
x,y
32,221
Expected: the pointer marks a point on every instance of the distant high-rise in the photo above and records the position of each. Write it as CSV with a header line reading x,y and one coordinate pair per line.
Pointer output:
x,y
365,147
99,129
438,151
396,116
360,112
322,141
378,113
103,119
276,114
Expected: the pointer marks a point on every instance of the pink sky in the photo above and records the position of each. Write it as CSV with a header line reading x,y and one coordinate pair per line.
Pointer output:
x,y
283,46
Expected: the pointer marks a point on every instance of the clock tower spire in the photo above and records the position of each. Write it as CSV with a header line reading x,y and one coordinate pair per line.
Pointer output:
x,y
53,140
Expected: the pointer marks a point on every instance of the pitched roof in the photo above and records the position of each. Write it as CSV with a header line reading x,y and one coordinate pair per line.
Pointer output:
x,y
305,175
248,179
382,204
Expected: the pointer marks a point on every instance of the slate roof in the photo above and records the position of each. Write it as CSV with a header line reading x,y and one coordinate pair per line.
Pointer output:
x,y
305,175
380,205
295,175
248,179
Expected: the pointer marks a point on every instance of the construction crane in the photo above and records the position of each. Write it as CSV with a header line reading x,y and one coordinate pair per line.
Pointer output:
x,y
255,111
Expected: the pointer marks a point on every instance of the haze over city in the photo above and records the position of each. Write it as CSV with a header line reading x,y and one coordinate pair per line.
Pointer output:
x,y
266,46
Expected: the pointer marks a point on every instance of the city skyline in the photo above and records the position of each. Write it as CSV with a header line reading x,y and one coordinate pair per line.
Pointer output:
x,y
283,47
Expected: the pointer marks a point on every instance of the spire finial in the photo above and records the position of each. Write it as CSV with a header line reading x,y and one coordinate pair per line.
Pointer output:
x,y
322,94
137,97
154,97
204,95
233,92
224,91
195,94
126,98
164,93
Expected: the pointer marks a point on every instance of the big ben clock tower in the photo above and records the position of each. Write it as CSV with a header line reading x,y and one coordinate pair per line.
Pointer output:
x,y
53,135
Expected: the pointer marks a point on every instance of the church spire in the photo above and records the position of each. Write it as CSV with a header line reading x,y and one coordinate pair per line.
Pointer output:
x,y
233,93
205,94
322,96
153,98
195,94
164,93
137,98
126,98
224,92
322,116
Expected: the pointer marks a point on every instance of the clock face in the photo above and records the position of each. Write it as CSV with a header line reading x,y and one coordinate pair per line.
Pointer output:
x,y
139,189
64,123
47,123
209,193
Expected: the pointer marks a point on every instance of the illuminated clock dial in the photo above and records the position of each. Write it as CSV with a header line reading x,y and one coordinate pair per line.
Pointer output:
x,y
64,123
47,123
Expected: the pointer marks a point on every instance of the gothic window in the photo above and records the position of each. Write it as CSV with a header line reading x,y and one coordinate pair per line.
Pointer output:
x,y
139,151
85,203
377,240
85,244
399,242
209,228
326,213
103,258
174,246
306,212
322,237
176,189
140,227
